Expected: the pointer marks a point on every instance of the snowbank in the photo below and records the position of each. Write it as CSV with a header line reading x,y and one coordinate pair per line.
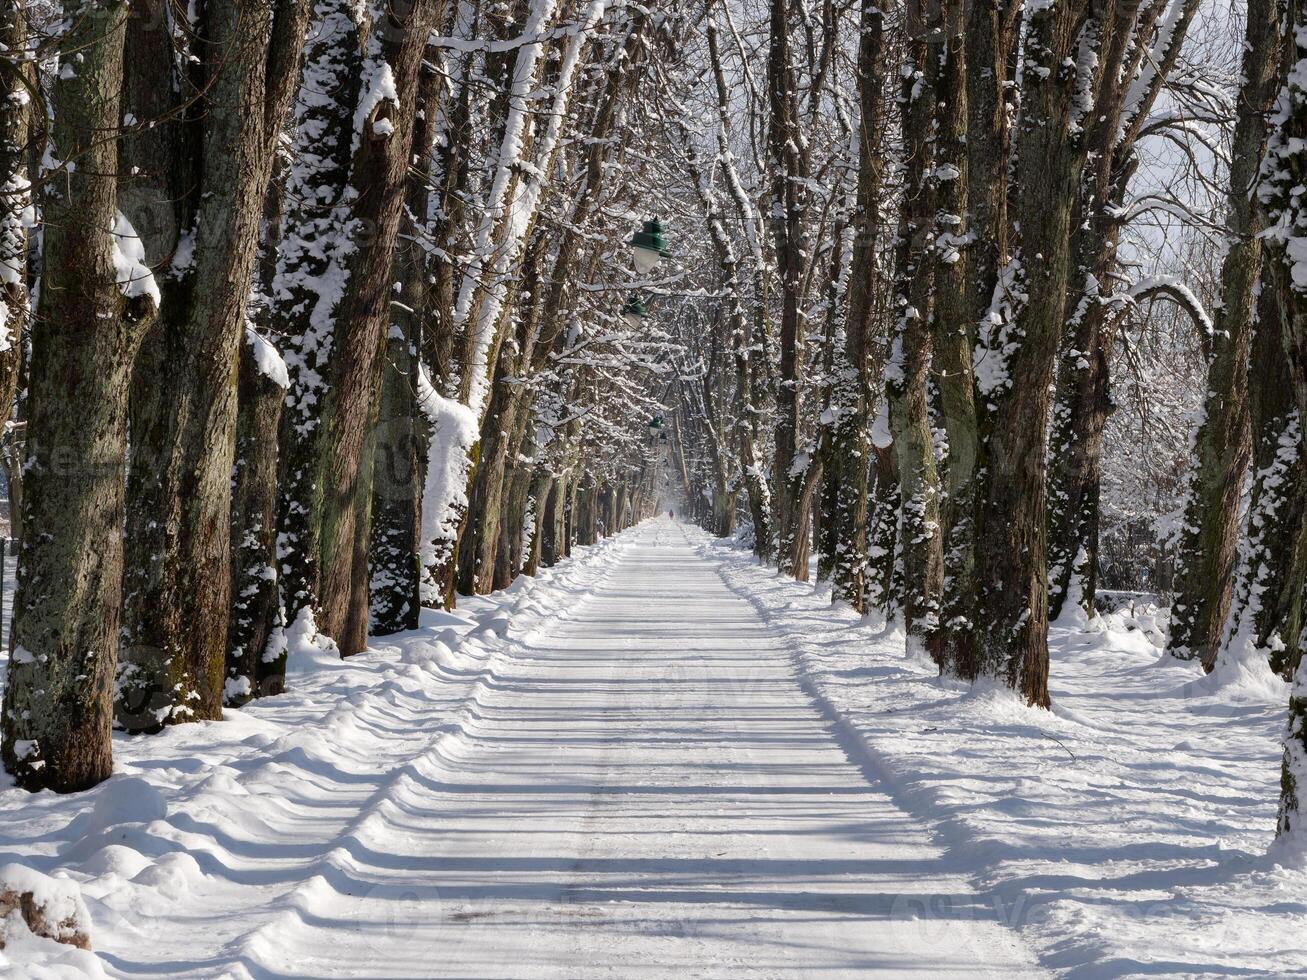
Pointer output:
x,y
1125,832
213,843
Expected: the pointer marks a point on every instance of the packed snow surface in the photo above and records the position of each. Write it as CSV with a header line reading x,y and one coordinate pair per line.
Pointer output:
x,y
658,759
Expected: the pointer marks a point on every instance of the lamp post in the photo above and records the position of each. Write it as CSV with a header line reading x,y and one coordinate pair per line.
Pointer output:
x,y
634,311
649,247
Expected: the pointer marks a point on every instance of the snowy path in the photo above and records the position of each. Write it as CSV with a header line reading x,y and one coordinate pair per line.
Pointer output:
x,y
648,792
633,784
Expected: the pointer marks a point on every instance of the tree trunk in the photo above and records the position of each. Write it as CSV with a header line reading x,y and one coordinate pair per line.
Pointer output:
x,y
333,299
1281,200
1266,617
403,433
953,324
63,641
884,577
1007,637
256,640
850,464
1210,528
183,406
394,557
15,205
789,200
908,372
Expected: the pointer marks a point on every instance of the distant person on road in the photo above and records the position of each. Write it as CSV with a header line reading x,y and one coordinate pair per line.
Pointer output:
x,y
671,514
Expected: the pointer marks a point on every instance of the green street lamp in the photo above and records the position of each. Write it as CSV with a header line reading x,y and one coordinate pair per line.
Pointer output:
x,y
655,425
634,311
649,247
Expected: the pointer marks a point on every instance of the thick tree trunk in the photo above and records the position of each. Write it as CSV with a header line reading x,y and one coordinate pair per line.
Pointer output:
x,y
403,434
333,299
551,527
982,77
953,323
509,417
1007,637
15,207
849,468
520,526
1082,406
1283,175
542,494
395,600
183,407
59,696
1206,557
884,577
1266,617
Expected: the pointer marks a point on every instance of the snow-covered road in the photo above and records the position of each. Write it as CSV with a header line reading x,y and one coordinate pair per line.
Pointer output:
x,y
632,783
647,792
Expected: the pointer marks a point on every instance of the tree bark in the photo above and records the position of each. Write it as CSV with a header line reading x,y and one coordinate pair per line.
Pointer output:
x,y
403,434
63,642
1283,175
1007,635
332,300
789,199
183,406
1206,556
256,640
1266,618
16,133
850,465
907,373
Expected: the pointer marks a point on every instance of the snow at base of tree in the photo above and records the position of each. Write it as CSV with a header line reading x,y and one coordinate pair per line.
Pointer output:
x,y
1126,832
210,850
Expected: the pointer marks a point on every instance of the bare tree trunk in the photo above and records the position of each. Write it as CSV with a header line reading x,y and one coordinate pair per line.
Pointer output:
x,y
789,200
1206,558
1282,204
908,371
953,323
16,131
851,453
402,434
183,408
63,642
334,297
256,642
16,144
394,557
542,494
884,578
479,540
1008,635
1266,617
989,91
